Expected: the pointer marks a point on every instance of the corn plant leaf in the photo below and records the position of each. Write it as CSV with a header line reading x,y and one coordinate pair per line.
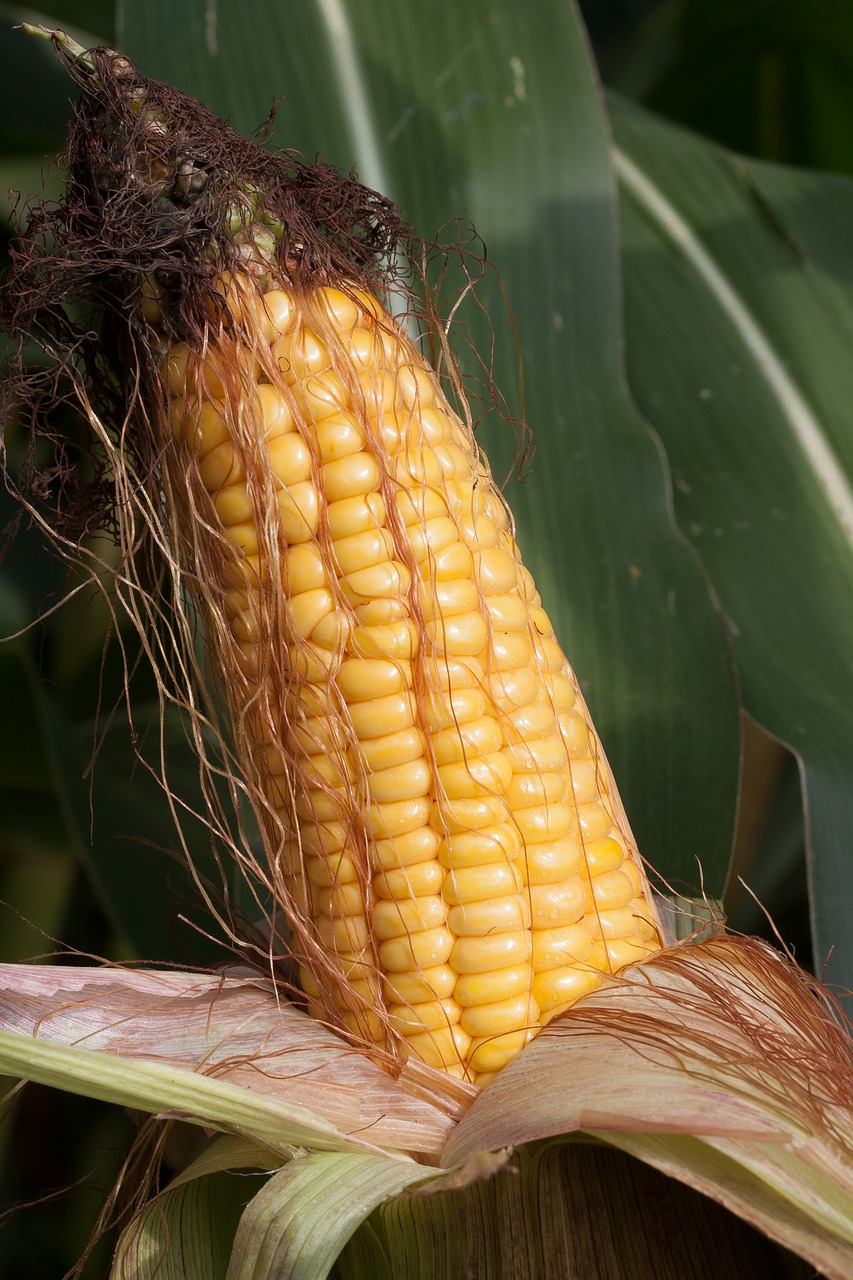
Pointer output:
x,y
298,1223
571,1211
752,402
260,1047
186,1233
493,112
714,1063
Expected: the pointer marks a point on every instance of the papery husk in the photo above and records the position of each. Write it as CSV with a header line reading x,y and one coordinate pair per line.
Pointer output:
x,y
722,1064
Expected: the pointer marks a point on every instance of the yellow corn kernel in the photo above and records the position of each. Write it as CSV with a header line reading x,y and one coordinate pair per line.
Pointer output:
x,y
434,788
515,1013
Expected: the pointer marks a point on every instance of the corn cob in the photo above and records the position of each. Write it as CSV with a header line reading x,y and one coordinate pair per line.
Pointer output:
x,y
440,824
444,811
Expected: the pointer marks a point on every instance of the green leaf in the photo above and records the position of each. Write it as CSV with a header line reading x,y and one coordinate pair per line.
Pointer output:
x,y
492,112
185,1234
751,399
149,1086
298,1223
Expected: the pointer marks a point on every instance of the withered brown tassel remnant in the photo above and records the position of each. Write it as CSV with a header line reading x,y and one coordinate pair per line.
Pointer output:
x,y
440,824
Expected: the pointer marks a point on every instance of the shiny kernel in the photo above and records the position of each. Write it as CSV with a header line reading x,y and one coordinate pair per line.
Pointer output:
x,y
426,1015
479,533
463,635
321,396
405,850
379,611
556,948
595,821
398,817
415,386
555,905
300,511
481,848
350,934
563,692
612,889
417,881
603,855
446,599
619,952
378,716
449,674
548,863
549,652
304,569
511,1014
442,1048
301,354
418,466
427,539
464,886
497,951
489,916
366,1024
512,689
365,511
448,563
275,412
412,988
393,749
416,952
420,506
351,477
176,373
277,313
392,919
338,436
331,632
363,550
541,755
434,424
339,900
453,816
632,871
455,461
507,612
556,990
221,467
496,571
474,989
511,649
234,505
341,307
478,775
360,679
477,738
308,608
535,720
528,789
575,734
548,822
332,869
401,781
388,581
290,459
494,1052
456,707
397,640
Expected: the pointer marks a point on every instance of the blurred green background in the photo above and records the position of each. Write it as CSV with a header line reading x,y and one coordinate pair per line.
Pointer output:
x,y
767,78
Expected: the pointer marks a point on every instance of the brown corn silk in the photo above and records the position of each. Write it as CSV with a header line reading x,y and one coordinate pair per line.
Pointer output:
x,y
440,825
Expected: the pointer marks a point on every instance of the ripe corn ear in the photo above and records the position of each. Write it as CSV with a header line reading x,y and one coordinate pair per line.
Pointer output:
x,y
440,817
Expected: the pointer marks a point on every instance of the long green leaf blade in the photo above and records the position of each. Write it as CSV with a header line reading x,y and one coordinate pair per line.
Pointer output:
x,y
753,408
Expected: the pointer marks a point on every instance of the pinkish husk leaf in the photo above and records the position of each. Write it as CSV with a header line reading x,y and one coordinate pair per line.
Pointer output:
x,y
234,1027
738,1057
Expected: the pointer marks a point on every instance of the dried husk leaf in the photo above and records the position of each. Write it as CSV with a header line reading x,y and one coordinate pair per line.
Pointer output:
x,y
740,1058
